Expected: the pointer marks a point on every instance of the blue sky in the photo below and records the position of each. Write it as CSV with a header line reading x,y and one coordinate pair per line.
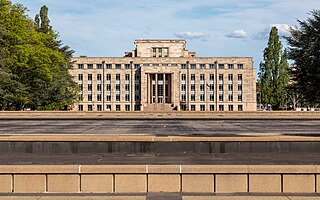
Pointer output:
x,y
214,28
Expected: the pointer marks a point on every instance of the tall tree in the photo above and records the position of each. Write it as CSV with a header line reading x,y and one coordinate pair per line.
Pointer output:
x,y
33,62
274,72
304,50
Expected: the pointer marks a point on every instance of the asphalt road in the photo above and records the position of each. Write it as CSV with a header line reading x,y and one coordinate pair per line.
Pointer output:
x,y
205,128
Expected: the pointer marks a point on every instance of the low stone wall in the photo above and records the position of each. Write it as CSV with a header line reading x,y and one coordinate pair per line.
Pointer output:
x,y
114,179
159,115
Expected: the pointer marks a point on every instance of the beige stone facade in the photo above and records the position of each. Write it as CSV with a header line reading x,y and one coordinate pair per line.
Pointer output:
x,y
161,75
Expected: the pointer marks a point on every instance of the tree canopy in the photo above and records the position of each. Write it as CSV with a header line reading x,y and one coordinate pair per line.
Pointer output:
x,y
33,62
273,76
304,50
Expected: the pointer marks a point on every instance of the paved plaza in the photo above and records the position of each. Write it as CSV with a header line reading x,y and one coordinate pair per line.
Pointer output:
x,y
190,128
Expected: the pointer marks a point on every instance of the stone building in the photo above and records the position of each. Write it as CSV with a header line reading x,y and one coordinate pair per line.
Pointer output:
x,y
161,75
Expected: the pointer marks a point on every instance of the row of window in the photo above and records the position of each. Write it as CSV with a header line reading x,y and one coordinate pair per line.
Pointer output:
x,y
210,86
211,108
160,52
108,108
183,107
183,66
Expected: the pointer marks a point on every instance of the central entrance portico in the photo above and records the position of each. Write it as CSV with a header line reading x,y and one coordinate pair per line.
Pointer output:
x,y
160,91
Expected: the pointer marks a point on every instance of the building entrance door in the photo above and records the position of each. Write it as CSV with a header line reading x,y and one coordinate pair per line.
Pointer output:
x,y
159,90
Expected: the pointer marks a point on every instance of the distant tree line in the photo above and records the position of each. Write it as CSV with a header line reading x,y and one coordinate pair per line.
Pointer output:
x,y
34,63
299,84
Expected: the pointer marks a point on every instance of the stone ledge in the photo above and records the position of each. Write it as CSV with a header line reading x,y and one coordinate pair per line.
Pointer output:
x,y
143,138
159,169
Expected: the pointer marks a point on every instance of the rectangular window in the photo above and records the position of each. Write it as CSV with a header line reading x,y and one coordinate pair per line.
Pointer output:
x,y
99,77
99,66
220,77
211,107
80,107
89,107
202,97
193,77
80,66
108,66
127,107
192,66
221,108
108,107
118,66
201,77
165,52
211,97
211,66
193,97
89,97
240,97
183,66
193,107
160,52
127,66
183,77
118,108
127,77
117,77
117,97
240,66
230,97
221,66
80,77
90,87
89,77
202,66
230,66
108,77
220,97
202,87
90,66
183,97
108,98
230,107
239,77
98,97
99,107
211,77
202,107
154,52
127,97
240,108
136,107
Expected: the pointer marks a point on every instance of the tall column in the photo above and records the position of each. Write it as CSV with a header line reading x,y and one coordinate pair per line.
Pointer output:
x,y
148,86
103,85
216,86
132,94
188,86
164,89
156,101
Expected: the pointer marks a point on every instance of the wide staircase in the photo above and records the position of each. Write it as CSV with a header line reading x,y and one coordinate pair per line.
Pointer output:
x,y
159,108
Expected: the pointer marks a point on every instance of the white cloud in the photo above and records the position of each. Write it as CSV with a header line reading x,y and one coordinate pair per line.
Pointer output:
x,y
283,30
192,35
237,34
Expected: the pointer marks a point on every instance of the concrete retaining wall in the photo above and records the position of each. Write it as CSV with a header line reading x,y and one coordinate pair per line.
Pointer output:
x,y
143,179
158,115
